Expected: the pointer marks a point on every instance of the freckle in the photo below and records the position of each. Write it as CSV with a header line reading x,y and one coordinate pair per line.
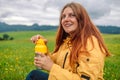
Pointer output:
x,y
88,59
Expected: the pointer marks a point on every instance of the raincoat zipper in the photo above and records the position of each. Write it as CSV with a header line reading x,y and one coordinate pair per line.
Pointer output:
x,y
65,59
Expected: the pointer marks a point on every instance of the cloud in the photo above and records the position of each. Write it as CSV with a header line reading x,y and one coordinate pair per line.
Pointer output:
x,y
103,12
97,9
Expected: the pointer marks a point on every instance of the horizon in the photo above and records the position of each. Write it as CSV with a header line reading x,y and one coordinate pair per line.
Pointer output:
x,y
52,25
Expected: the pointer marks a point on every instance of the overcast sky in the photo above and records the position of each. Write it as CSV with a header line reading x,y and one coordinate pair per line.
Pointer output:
x,y
46,12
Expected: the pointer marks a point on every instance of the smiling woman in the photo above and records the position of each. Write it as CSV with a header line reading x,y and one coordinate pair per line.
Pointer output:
x,y
69,20
79,51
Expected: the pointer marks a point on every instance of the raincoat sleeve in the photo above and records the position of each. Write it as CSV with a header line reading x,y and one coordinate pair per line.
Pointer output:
x,y
89,67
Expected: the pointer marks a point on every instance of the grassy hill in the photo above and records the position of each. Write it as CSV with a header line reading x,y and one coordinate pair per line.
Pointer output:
x,y
16,56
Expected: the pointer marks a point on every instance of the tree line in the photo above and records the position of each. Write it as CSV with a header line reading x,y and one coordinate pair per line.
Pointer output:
x,y
35,27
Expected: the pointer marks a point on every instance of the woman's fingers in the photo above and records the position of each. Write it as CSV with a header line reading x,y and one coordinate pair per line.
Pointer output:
x,y
40,58
37,62
38,54
36,37
43,62
42,55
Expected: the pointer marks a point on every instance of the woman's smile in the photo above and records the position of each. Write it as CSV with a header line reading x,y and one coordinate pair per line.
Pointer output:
x,y
69,21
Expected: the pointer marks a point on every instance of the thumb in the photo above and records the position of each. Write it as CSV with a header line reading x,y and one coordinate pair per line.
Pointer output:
x,y
42,54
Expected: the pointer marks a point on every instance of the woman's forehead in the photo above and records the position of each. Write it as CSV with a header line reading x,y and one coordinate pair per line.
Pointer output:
x,y
67,10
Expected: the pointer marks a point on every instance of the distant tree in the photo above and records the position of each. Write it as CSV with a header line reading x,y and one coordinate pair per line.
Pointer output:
x,y
11,38
5,36
1,39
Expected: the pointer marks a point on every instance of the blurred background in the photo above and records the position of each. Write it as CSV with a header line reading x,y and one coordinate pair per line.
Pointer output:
x,y
21,19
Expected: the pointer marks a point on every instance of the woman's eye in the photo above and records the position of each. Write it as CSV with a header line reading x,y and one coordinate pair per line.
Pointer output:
x,y
68,16
72,15
63,16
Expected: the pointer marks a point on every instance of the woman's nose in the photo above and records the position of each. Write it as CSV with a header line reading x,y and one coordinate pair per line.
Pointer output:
x,y
66,18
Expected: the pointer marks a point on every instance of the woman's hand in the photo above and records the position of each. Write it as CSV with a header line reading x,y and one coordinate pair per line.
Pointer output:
x,y
43,62
36,37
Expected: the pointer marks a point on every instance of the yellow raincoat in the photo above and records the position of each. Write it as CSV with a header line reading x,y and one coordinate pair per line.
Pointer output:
x,y
88,67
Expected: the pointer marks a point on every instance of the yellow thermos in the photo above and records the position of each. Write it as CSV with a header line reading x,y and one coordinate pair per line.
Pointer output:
x,y
41,47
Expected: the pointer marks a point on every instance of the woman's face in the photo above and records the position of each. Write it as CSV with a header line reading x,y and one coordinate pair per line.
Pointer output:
x,y
69,21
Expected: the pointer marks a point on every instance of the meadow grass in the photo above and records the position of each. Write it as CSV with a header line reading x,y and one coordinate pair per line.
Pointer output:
x,y
16,56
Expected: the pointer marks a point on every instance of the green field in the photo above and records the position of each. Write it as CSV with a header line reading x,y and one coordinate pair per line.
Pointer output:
x,y
16,56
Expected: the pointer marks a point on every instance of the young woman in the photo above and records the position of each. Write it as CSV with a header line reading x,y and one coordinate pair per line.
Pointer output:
x,y
79,52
